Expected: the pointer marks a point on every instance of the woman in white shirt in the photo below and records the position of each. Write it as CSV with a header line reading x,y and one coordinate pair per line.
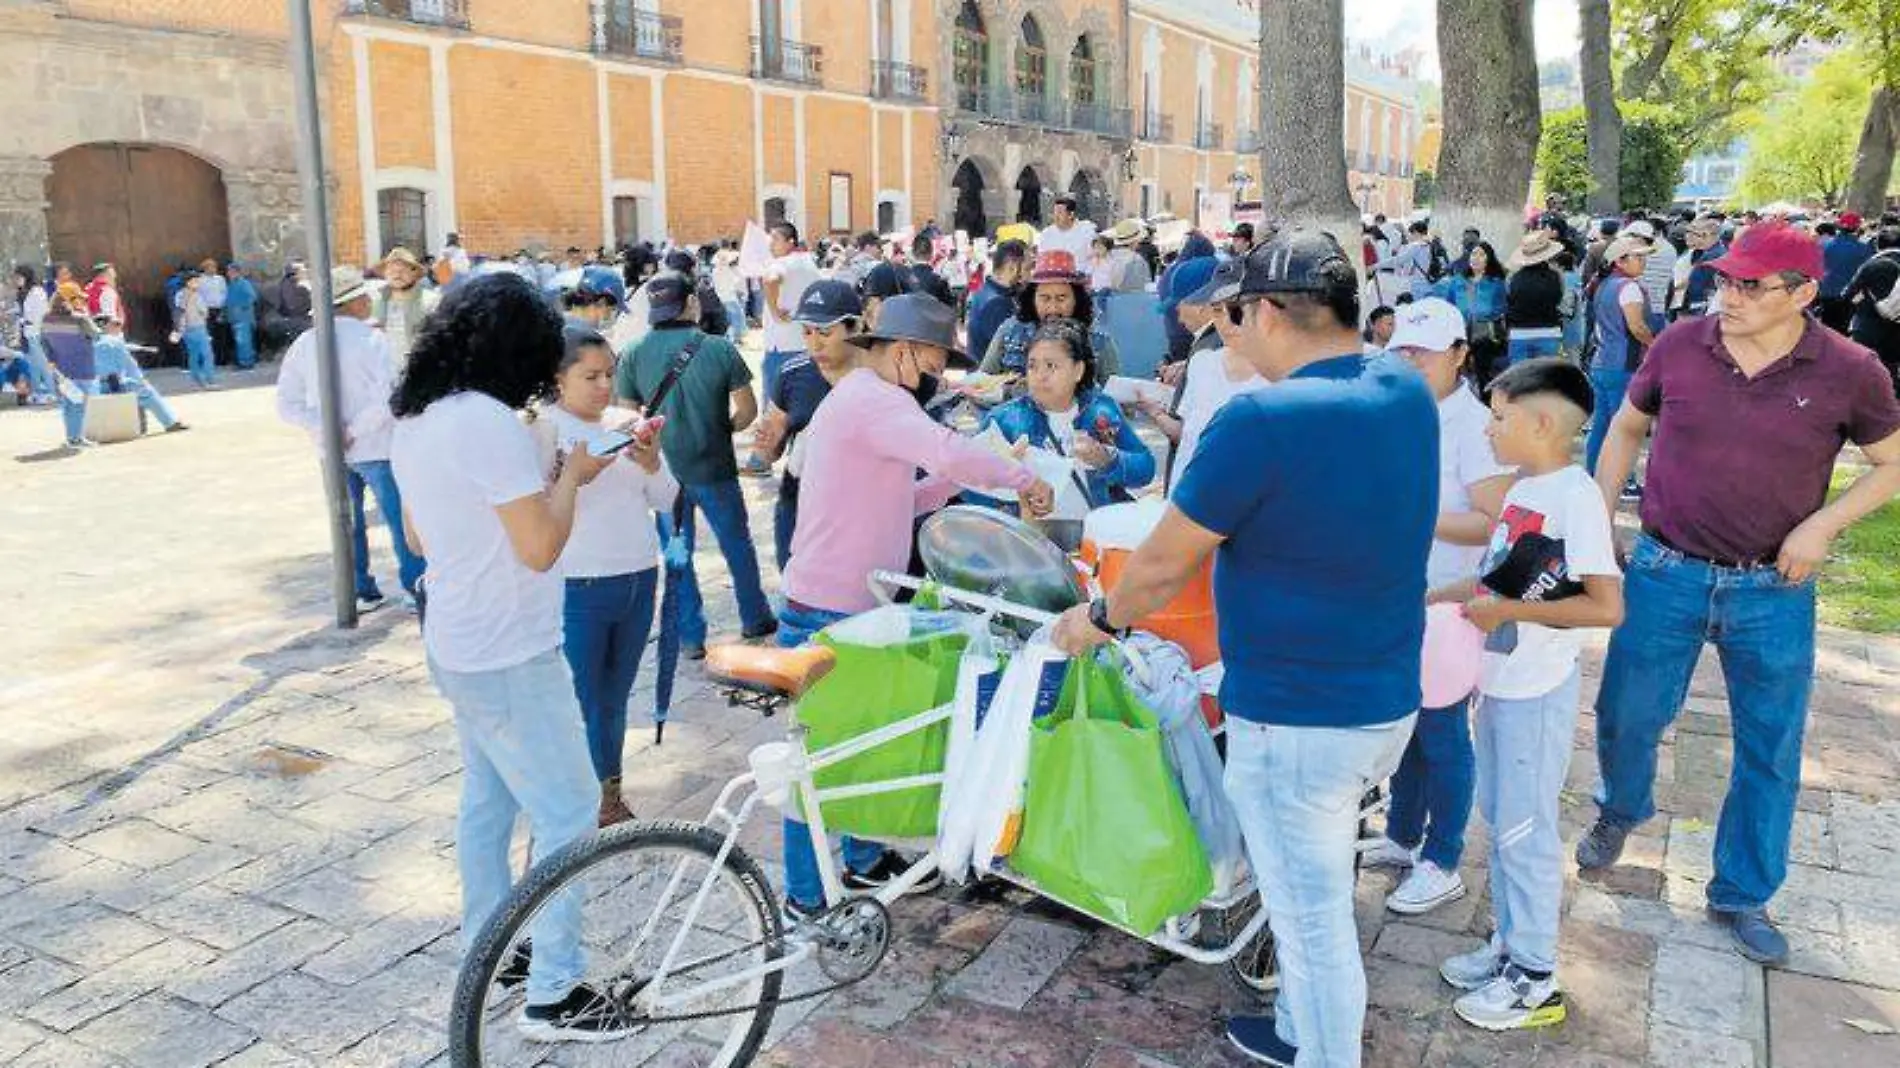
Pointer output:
x,y
611,562
1432,789
478,498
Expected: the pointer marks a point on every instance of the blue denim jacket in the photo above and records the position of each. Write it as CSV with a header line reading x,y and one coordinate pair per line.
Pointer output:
x,y
1133,466
1482,303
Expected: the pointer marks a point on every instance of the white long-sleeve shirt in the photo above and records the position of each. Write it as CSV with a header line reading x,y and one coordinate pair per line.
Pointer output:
x,y
368,377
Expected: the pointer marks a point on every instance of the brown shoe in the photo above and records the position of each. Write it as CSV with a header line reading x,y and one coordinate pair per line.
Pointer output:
x,y
613,808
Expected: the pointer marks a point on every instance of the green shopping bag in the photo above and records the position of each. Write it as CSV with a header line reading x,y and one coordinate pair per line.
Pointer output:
x,y
874,686
1105,828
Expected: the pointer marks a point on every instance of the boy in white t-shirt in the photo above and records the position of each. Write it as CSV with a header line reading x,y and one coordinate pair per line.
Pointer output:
x,y
1550,572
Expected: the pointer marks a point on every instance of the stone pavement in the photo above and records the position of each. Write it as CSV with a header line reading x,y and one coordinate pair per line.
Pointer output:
x,y
226,831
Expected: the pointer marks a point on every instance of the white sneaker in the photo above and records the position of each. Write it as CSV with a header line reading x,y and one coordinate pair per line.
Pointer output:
x,y
1385,853
1473,970
1513,1001
1427,887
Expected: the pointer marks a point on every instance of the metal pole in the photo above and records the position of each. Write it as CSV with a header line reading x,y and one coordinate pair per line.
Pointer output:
x,y
316,225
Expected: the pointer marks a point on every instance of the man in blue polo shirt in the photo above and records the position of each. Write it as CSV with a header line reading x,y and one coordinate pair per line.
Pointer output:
x,y
1319,493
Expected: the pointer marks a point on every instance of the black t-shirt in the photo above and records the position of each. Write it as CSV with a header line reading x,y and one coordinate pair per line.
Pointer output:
x,y
1875,279
1534,297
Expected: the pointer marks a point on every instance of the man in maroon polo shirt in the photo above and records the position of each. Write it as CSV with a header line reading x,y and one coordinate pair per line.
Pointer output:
x,y
1750,409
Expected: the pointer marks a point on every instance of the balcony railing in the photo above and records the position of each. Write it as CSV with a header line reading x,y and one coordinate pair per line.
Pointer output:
x,y
628,31
974,99
1029,107
1099,118
1247,141
1209,135
899,81
1157,127
425,12
788,61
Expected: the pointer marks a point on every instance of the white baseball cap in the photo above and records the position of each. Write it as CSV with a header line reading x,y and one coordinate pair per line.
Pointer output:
x,y
1640,228
1430,324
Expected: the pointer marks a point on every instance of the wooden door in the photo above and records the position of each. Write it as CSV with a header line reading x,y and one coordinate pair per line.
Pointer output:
x,y
146,209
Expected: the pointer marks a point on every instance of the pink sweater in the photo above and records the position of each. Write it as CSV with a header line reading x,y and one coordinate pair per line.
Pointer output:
x,y
860,493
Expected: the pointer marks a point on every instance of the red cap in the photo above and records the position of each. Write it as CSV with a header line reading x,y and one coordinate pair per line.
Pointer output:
x,y
1849,221
1771,248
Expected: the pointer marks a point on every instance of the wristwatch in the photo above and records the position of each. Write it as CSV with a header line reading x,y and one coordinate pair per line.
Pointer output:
x,y
1098,618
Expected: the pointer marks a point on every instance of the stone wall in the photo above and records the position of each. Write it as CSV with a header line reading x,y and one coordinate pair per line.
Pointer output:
x,y
1000,153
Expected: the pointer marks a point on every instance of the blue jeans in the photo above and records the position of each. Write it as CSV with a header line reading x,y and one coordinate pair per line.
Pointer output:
x,y
735,320
1610,385
72,415
1431,791
1296,793
1763,630
200,361
802,881
724,505
784,525
606,623
150,400
244,339
1523,755
1522,349
42,371
376,476
522,750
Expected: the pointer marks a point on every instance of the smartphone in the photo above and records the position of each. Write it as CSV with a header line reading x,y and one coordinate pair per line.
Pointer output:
x,y
609,443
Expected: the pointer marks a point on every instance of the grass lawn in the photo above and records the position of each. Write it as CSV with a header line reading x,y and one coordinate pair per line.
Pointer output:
x,y
1860,588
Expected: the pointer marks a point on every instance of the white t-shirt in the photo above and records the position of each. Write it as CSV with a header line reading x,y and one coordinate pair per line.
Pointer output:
x,y
1631,296
1524,660
1062,428
795,273
455,463
1464,457
1077,240
613,515
1208,387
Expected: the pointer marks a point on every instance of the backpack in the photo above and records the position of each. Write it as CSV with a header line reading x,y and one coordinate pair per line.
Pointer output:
x,y
1440,265
1888,306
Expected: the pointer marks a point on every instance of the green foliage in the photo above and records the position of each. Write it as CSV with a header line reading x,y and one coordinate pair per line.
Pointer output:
x,y
1424,188
1709,63
1804,146
1653,151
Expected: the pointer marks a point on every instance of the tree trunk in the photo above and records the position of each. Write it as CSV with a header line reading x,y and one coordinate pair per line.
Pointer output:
x,y
1603,121
1302,113
1492,118
1873,160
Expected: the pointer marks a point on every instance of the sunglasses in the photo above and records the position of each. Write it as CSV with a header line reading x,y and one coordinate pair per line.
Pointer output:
x,y
1237,309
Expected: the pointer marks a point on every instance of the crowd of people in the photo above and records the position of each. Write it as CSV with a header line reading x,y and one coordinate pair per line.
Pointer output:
x,y
1351,435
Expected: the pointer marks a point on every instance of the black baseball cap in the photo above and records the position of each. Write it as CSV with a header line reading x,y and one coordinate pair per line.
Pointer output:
x,y
883,281
666,298
1223,287
829,302
1297,261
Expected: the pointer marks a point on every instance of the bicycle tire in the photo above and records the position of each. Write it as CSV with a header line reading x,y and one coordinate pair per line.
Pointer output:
x,y
484,959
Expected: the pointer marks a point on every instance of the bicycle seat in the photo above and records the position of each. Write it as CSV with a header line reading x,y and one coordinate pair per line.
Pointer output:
x,y
786,673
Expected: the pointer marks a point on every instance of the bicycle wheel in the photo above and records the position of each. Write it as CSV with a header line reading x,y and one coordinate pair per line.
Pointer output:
x,y
635,886
1254,970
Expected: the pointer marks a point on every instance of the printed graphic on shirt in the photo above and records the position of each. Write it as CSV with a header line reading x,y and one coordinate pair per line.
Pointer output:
x,y
1524,564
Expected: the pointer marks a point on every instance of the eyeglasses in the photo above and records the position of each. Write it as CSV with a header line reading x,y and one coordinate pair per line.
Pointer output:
x,y
1751,288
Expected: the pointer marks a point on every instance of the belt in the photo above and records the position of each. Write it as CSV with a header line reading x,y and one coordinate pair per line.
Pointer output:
x,y
1753,564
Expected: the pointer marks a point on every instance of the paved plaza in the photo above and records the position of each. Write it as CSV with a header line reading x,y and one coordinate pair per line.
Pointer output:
x,y
226,830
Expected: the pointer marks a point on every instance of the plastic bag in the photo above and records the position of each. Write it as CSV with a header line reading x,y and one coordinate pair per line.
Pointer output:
x,y
906,665
1105,828
1173,689
979,677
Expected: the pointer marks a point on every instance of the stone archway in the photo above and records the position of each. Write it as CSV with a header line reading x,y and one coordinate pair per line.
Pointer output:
x,y
968,185
1031,194
1091,195
146,209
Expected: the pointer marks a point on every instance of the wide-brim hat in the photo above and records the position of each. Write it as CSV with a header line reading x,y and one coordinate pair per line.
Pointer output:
x,y
915,317
402,255
1054,266
1627,246
1537,247
346,284
1126,232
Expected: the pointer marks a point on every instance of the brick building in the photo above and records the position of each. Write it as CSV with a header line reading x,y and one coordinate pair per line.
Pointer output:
x,y
157,131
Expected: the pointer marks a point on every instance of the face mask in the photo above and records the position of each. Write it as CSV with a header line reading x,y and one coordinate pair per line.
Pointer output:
x,y
925,390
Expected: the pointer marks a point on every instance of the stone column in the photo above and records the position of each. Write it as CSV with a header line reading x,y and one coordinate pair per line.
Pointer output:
x,y
266,217
23,205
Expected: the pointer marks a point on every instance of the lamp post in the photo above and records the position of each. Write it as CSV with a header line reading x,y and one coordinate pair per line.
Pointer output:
x,y
1240,180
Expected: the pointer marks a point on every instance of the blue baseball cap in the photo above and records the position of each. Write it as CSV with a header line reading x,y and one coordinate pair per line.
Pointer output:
x,y
828,302
1189,277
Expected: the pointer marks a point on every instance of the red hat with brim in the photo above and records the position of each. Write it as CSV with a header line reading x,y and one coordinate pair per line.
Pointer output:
x,y
1768,249
1056,266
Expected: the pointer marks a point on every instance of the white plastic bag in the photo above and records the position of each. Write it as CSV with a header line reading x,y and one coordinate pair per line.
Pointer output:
x,y
979,675
1171,687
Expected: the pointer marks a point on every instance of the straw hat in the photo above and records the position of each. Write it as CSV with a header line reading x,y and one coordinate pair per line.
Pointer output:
x,y
346,284
1537,247
1627,246
402,255
1126,232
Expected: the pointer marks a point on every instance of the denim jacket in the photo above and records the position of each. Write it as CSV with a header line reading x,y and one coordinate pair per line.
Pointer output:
x,y
1482,303
1011,347
1098,416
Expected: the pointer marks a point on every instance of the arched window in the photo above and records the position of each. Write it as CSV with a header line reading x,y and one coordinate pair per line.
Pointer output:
x,y
972,58
1082,73
1032,70
402,215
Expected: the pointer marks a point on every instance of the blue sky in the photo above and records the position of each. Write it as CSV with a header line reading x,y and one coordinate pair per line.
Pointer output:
x,y
1397,24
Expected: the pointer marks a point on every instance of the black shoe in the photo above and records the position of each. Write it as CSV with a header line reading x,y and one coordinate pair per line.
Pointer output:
x,y
515,971
176,428
888,868
1259,1040
763,630
584,1015
694,652
370,598
1601,846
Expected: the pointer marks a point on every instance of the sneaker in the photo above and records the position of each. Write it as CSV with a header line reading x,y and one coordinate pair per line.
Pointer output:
x,y
515,972
1756,936
693,652
369,597
176,428
1259,1041
1512,1002
1476,969
754,467
1632,491
1601,845
888,868
763,630
796,913
80,443
1427,887
584,1015
1385,853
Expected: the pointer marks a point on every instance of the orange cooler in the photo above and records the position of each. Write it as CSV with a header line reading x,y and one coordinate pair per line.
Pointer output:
x,y
1111,535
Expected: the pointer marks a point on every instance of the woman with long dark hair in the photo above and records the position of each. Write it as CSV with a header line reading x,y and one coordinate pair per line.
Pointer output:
x,y
34,305
478,496
1478,293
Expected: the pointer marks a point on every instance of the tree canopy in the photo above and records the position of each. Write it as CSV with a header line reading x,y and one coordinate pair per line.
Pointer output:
x,y
1803,147
1706,62
1651,159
